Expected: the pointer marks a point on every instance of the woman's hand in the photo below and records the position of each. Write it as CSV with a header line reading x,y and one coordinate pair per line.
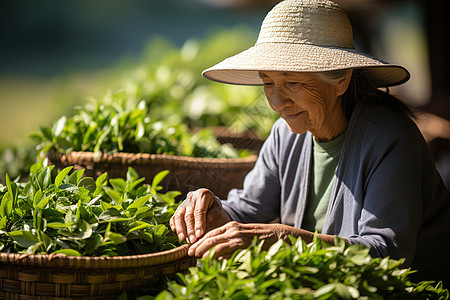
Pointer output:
x,y
233,236
200,211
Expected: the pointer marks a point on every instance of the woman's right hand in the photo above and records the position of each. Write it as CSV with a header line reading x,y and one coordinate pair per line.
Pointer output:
x,y
200,212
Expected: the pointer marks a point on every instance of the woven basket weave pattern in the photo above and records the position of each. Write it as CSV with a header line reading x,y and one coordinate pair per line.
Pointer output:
x,y
186,173
52,277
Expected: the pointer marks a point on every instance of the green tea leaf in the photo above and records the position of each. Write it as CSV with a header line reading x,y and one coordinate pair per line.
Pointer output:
x,y
116,238
88,183
101,139
112,215
275,248
93,243
144,213
132,175
87,137
75,177
105,206
84,231
69,252
3,223
12,188
45,240
139,227
115,196
158,178
140,130
118,184
37,197
68,187
159,232
57,225
47,133
324,290
138,203
133,184
59,126
42,203
101,180
69,220
24,238
62,174
164,295
33,248
44,177
6,198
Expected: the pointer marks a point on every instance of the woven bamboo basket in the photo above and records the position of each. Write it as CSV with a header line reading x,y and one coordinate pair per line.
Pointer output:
x,y
219,175
248,139
61,277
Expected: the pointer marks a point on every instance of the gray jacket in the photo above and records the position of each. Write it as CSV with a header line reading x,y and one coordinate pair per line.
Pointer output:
x,y
387,193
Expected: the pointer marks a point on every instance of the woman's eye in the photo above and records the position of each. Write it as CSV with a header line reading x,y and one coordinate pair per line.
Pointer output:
x,y
268,83
293,85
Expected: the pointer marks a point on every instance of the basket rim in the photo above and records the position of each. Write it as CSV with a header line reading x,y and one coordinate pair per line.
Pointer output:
x,y
59,260
121,157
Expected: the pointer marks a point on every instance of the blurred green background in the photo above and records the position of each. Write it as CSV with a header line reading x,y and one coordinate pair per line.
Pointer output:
x,y
56,53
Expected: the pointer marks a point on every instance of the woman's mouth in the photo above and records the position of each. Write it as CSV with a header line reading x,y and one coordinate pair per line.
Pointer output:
x,y
291,116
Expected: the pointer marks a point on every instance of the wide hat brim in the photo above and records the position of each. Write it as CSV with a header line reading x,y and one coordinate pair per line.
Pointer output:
x,y
244,68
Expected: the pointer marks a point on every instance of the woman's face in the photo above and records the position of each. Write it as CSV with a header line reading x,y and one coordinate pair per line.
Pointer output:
x,y
305,102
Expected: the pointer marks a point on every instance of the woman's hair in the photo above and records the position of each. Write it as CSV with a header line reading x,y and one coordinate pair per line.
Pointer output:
x,y
360,89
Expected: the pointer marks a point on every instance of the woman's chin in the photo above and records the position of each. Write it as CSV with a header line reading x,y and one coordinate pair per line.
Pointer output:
x,y
295,128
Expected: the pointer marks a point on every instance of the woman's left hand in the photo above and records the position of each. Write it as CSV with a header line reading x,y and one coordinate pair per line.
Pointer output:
x,y
233,236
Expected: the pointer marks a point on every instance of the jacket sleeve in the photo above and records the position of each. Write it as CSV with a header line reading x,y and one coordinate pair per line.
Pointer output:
x,y
259,200
397,186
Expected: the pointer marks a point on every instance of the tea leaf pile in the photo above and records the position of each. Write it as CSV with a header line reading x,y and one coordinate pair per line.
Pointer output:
x,y
114,124
63,212
301,271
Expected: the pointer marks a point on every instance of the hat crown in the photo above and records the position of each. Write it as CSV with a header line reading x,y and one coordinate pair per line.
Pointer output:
x,y
314,22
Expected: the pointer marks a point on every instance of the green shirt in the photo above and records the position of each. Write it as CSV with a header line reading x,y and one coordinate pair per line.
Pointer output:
x,y
324,164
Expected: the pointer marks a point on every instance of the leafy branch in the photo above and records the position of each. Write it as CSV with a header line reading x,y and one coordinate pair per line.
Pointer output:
x,y
115,124
64,212
301,271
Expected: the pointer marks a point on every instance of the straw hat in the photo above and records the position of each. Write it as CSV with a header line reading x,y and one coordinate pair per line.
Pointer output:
x,y
304,36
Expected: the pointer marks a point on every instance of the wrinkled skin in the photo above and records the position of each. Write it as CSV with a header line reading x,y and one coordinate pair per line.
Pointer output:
x,y
233,236
200,212
307,103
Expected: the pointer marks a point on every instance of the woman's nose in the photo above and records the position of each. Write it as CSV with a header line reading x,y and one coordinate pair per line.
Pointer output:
x,y
278,99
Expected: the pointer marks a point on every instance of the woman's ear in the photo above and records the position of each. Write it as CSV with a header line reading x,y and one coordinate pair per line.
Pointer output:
x,y
342,85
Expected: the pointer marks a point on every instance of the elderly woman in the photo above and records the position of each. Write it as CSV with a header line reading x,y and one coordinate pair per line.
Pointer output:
x,y
345,159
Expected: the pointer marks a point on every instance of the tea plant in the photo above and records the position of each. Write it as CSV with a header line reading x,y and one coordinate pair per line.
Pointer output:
x,y
63,212
169,79
115,124
300,271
